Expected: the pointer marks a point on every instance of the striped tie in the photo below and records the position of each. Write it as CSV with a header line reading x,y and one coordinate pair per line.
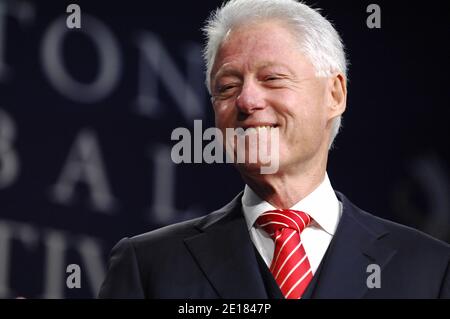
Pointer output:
x,y
290,265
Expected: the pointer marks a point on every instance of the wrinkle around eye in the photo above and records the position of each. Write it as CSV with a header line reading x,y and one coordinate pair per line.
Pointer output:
x,y
274,76
226,90
224,95
275,82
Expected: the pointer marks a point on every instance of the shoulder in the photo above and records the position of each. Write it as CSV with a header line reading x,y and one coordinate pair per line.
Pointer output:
x,y
406,236
398,235
174,235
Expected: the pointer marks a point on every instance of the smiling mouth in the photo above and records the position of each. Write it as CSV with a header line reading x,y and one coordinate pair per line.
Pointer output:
x,y
252,129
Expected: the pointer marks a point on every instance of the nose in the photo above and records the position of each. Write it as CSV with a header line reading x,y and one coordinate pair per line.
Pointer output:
x,y
251,98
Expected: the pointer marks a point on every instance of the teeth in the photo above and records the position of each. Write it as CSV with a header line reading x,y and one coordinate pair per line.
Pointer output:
x,y
251,130
255,129
262,127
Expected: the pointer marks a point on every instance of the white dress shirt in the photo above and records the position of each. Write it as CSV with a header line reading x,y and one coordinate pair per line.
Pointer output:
x,y
322,205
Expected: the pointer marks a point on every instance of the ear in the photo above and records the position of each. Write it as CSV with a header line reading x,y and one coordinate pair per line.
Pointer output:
x,y
337,92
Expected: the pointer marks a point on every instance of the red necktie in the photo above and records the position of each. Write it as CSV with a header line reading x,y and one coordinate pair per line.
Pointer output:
x,y
290,265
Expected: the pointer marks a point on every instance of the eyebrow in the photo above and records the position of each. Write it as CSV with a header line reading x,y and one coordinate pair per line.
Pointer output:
x,y
273,64
226,72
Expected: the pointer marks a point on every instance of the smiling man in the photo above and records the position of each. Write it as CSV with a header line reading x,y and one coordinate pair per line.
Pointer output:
x,y
279,65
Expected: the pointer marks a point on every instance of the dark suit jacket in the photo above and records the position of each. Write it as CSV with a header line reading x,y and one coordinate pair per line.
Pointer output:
x,y
214,257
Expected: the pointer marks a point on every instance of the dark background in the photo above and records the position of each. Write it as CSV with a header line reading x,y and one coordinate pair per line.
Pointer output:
x,y
79,170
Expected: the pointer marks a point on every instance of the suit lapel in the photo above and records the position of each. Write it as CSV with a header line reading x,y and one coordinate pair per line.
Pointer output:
x,y
225,253
358,242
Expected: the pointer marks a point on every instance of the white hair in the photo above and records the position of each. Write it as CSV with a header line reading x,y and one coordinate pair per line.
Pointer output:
x,y
318,39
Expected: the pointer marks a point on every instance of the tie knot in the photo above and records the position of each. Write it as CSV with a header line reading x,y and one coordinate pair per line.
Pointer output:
x,y
275,220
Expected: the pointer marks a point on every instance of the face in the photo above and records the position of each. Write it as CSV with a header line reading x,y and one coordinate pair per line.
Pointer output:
x,y
260,78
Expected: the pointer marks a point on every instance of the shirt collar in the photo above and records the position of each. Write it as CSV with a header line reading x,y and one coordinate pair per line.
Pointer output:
x,y
321,204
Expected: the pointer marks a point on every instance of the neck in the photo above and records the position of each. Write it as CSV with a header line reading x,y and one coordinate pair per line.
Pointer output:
x,y
283,190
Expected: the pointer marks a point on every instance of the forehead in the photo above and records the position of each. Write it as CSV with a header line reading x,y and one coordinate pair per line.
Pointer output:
x,y
258,44
262,34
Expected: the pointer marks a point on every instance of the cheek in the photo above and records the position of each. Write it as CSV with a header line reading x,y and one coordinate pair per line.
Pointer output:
x,y
306,121
224,115
311,111
314,124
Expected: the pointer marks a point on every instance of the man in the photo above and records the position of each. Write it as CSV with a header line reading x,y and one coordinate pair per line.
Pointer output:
x,y
279,65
